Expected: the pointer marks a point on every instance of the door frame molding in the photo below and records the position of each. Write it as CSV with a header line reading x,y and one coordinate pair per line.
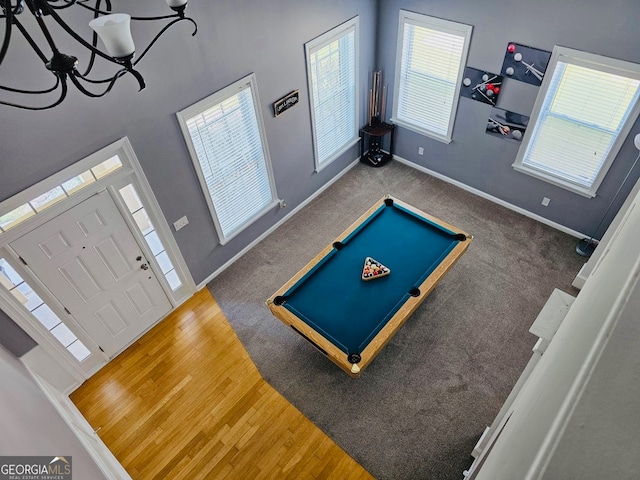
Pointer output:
x,y
130,173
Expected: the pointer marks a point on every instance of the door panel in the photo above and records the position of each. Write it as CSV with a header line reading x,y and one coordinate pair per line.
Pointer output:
x,y
80,279
88,258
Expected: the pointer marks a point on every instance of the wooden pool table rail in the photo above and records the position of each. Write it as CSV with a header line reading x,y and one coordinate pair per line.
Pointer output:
x,y
335,354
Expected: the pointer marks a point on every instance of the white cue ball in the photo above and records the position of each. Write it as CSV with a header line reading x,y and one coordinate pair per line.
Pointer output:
x,y
510,71
489,93
466,82
517,57
485,77
517,134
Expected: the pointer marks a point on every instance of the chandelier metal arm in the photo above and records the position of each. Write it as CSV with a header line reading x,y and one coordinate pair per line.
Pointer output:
x,y
79,39
112,81
94,38
63,94
108,11
69,3
128,68
33,92
37,13
7,33
63,66
29,39
164,29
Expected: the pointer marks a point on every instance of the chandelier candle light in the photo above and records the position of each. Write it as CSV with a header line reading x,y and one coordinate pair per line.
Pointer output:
x,y
113,29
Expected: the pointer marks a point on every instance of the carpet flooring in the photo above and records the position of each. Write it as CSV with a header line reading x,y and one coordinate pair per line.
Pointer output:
x,y
417,411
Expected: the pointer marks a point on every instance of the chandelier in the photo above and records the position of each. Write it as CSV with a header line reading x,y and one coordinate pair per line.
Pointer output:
x,y
113,29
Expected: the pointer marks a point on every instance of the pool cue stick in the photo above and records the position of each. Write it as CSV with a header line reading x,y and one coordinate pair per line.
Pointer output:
x,y
484,83
384,103
481,93
537,73
376,93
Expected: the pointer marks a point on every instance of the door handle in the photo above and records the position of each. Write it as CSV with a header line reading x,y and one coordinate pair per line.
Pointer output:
x,y
144,266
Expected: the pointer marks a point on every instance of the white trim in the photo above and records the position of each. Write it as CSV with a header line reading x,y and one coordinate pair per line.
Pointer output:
x,y
619,308
197,109
168,241
456,28
421,131
480,193
588,60
131,172
36,331
60,207
581,278
274,227
310,47
91,364
98,451
337,154
62,176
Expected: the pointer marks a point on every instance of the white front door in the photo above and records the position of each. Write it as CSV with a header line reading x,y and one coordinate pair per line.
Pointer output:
x,y
88,258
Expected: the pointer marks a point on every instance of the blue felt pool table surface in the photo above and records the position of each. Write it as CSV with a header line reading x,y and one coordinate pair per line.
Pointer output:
x,y
332,300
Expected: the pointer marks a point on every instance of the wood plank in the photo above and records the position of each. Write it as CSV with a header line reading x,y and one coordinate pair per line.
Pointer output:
x,y
186,402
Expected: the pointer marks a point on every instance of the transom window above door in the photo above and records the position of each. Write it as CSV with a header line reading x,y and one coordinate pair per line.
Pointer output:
x,y
58,193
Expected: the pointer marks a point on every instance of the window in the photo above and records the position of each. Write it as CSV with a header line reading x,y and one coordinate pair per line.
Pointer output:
x,y
14,284
430,64
584,110
332,70
60,192
226,140
148,231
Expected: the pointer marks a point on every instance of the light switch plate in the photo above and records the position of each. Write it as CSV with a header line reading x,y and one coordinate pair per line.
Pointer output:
x,y
181,222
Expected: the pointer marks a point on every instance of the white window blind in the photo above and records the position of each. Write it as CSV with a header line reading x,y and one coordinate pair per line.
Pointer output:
x,y
430,63
227,144
585,107
332,71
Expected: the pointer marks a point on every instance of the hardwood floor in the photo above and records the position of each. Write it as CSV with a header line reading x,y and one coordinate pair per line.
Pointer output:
x,y
187,402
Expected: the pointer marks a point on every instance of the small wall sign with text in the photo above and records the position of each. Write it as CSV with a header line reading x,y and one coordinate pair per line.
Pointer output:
x,y
285,103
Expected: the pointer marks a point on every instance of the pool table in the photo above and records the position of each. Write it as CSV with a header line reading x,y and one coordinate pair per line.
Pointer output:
x,y
350,318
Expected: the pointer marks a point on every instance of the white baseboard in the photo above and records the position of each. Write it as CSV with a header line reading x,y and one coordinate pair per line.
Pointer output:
x,y
97,450
491,198
203,284
404,161
39,361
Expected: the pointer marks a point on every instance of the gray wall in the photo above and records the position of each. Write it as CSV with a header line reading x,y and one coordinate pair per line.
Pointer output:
x,y
484,162
234,39
30,424
13,337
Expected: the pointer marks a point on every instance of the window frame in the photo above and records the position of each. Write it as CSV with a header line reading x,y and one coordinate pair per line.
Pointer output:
x,y
433,23
203,105
312,46
606,64
129,172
